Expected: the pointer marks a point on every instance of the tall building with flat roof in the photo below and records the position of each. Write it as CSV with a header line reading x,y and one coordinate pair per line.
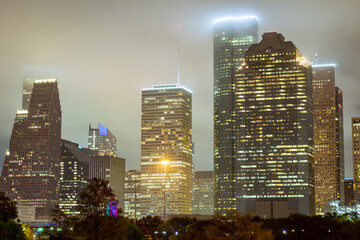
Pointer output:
x,y
203,193
356,157
275,150
132,194
102,140
328,137
232,37
112,169
166,150
74,175
31,171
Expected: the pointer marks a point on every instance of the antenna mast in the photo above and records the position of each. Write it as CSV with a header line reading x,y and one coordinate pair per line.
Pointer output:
x,y
178,54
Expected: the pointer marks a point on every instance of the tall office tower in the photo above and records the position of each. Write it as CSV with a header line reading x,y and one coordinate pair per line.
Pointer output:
x,y
328,137
28,85
275,150
203,193
166,156
102,140
356,157
232,37
112,169
31,170
74,175
132,194
349,191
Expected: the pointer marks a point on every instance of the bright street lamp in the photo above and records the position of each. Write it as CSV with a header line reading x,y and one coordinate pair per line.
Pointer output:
x,y
165,163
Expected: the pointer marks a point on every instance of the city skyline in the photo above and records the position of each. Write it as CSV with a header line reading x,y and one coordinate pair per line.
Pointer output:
x,y
71,78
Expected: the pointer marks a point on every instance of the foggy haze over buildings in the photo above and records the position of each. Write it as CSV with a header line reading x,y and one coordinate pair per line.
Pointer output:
x,y
104,52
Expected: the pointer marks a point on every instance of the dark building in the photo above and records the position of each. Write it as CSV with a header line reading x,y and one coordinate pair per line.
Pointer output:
x,y
349,191
232,37
31,171
328,137
112,169
74,174
275,150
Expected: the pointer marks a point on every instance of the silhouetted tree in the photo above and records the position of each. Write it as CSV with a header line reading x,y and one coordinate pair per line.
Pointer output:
x,y
8,210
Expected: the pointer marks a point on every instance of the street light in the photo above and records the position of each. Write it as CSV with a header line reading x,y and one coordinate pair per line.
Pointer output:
x,y
165,163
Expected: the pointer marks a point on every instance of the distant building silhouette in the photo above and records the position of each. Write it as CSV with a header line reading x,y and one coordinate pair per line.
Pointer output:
x,y
274,113
31,171
349,191
232,37
328,137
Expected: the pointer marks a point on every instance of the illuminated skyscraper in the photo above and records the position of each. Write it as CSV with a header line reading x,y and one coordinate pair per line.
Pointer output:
x,y
102,140
275,150
232,37
132,194
328,137
74,175
166,136
31,171
349,191
356,157
203,193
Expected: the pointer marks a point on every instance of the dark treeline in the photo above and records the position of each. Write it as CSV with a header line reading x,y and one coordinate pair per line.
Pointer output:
x,y
95,223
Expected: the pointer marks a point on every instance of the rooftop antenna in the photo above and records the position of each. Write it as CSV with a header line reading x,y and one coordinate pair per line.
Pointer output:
x,y
178,54
316,59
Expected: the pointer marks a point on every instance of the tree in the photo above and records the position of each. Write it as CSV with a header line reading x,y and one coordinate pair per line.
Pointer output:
x,y
149,224
28,232
8,210
11,231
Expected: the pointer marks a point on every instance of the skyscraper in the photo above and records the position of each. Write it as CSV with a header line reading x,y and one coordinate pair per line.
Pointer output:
x,y
356,157
31,171
74,175
203,193
28,85
328,137
102,140
232,37
274,162
132,194
166,159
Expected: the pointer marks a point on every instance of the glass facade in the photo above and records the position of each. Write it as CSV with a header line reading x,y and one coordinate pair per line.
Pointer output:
x,y
203,193
274,137
232,37
132,194
328,137
166,151
102,140
31,171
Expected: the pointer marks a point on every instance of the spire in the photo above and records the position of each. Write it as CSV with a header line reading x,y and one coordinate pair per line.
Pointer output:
x,y
178,54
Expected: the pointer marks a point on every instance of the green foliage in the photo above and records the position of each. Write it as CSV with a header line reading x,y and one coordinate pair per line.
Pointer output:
x,y
11,231
149,224
8,209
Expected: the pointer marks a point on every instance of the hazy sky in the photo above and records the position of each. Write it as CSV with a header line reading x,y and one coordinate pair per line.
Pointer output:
x,y
104,52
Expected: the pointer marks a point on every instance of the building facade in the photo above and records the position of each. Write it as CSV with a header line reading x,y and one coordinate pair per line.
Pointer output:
x,y
203,193
112,169
328,137
166,155
232,37
275,150
349,191
102,140
356,157
74,175
31,171
132,194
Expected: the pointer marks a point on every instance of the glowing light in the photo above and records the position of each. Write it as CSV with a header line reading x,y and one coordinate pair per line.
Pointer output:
x,y
324,65
45,80
166,86
165,162
103,130
235,18
112,209
22,112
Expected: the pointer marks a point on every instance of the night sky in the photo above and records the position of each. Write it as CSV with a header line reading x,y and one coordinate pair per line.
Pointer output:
x,y
104,52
